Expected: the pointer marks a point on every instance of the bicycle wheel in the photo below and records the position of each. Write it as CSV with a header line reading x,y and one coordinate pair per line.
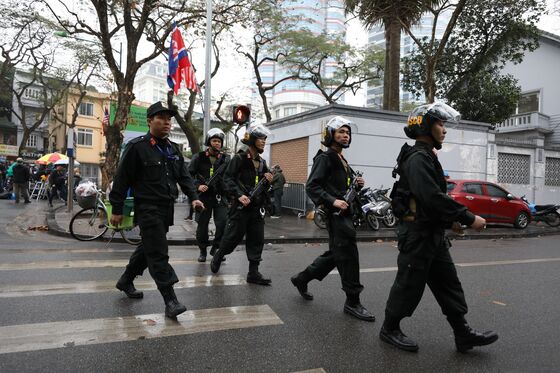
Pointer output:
x,y
89,224
132,235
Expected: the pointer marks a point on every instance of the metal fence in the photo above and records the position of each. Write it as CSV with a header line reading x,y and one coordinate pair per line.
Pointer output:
x,y
295,198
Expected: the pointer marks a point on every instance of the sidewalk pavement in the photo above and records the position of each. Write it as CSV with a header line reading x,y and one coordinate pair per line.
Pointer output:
x,y
291,229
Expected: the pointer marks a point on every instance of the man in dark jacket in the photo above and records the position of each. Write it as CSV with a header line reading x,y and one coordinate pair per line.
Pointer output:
x,y
278,181
152,166
328,181
421,194
57,184
207,167
246,216
21,180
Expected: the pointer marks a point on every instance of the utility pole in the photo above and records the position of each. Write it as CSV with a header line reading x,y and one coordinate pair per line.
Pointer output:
x,y
208,67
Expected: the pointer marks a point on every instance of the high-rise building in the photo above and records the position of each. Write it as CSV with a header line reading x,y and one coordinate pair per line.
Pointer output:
x,y
377,37
295,96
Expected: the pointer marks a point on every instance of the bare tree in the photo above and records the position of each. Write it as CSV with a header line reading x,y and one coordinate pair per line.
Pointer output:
x,y
134,21
27,72
270,27
332,65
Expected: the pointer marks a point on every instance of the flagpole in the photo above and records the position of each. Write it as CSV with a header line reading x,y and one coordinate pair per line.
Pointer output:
x,y
208,67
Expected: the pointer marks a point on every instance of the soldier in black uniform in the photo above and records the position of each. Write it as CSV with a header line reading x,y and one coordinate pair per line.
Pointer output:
x,y
152,166
246,216
420,200
202,167
327,184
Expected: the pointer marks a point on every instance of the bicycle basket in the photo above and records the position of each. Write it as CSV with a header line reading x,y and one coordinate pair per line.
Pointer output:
x,y
87,202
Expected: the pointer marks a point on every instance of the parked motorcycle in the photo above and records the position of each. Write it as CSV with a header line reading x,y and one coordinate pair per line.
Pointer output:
x,y
359,215
380,205
547,213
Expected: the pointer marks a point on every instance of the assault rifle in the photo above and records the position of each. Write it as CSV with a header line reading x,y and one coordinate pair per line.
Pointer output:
x,y
351,193
261,187
212,180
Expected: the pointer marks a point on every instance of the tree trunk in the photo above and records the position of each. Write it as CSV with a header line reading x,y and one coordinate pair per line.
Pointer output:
x,y
114,138
24,138
186,123
262,93
430,83
393,65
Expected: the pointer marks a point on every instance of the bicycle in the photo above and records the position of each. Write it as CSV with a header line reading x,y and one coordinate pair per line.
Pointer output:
x,y
92,222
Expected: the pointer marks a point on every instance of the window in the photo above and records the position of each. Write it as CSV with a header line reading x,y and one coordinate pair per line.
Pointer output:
x,y
85,137
472,188
552,171
528,102
514,168
289,111
494,191
86,108
31,141
89,171
450,187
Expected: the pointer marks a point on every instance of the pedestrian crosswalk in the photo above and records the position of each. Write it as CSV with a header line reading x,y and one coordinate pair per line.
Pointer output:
x,y
118,263
43,336
86,287
19,260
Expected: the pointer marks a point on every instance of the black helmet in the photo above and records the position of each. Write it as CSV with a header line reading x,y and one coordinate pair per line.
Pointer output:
x,y
420,119
214,133
255,132
334,124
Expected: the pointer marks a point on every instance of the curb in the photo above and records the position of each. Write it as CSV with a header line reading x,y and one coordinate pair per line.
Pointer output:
x,y
56,230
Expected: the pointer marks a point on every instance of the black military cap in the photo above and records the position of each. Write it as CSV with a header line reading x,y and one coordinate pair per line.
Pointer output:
x,y
158,108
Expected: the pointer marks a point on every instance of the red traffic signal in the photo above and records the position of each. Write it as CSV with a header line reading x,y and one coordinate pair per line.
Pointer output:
x,y
241,114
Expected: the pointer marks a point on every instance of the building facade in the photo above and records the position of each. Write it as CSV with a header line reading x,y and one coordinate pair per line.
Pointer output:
x,y
294,96
472,150
89,141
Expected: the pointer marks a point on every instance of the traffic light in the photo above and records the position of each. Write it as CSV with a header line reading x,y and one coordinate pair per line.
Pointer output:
x,y
241,114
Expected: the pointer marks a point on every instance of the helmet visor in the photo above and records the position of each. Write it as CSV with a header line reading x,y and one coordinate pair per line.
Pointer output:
x,y
338,122
259,131
437,110
215,132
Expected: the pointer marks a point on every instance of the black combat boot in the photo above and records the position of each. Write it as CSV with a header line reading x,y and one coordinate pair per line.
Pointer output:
x,y
213,251
172,305
466,338
255,277
391,333
300,281
126,284
216,261
354,308
202,256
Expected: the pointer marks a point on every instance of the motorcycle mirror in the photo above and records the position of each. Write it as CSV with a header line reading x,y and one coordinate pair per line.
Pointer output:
x,y
510,196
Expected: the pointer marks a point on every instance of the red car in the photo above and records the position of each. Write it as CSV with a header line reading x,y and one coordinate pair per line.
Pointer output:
x,y
491,201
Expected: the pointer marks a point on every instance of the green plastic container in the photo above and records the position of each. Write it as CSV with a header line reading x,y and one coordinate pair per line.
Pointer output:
x,y
128,214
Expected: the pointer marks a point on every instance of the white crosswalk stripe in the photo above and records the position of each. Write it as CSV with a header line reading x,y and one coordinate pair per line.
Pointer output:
x,y
42,336
116,263
85,287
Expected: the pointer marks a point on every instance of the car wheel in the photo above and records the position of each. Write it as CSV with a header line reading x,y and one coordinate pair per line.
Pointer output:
x,y
521,221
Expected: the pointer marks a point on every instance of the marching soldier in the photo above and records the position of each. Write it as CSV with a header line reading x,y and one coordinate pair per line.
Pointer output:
x,y
421,202
153,166
208,166
244,175
327,184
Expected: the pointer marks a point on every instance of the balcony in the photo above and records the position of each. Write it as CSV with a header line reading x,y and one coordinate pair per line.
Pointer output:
x,y
525,122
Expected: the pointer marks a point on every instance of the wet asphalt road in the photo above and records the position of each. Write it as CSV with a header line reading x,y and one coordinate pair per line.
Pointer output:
x,y
511,287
